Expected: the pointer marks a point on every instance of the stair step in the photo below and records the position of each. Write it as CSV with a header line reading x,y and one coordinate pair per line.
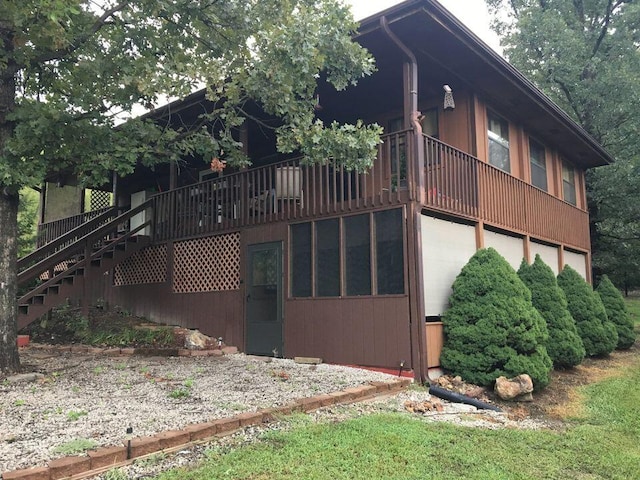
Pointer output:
x,y
37,300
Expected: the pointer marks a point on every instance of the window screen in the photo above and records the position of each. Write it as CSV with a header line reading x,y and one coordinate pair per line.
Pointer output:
x,y
538,165
499,143
568,183
389,252
328,258
357,239
301,260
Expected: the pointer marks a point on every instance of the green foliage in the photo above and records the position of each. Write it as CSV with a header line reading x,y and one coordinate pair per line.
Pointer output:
x,y
584,55
491,328
27,221
617,312
598,334
564,344
79,445
74,415
85,63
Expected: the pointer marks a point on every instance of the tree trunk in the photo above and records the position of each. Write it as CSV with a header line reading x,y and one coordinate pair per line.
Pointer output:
x,y
9,358
9,197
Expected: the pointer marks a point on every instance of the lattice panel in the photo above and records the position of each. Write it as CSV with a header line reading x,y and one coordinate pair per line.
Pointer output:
x,y
100,199
207,264
149,265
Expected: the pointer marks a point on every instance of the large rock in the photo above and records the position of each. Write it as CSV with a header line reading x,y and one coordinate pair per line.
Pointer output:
x,y
195,340
517,388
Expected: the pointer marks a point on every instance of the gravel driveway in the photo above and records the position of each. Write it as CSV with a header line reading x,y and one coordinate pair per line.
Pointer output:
x,y
82,396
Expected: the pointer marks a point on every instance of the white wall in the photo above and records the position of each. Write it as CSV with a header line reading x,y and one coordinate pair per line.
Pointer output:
x,y
511,248
548,254
577,261
446,248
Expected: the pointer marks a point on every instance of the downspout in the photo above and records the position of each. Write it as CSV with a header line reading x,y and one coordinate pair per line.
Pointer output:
x,y
416,174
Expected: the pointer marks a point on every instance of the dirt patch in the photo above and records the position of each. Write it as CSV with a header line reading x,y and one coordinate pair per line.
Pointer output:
x,y
562,398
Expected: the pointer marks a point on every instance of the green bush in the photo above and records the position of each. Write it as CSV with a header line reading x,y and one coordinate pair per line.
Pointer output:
x,y
598,334
491,328
617,312
564,344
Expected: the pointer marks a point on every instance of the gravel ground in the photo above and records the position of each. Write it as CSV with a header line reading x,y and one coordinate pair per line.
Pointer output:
x,y
98,397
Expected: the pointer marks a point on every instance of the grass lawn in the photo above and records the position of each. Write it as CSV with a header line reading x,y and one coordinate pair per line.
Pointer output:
x,y
601,441
633,304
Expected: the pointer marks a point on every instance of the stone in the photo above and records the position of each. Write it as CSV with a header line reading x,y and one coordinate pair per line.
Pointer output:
x,y
39,473
25,377
512,388
173,438
107,456
68,466
195,340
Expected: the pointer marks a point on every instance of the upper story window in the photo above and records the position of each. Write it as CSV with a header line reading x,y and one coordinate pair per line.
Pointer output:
x,y
538,165
499,142
568,183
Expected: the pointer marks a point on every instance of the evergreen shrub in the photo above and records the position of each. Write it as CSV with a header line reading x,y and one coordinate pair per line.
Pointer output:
x,y
564,345
617,312
491,328
598,334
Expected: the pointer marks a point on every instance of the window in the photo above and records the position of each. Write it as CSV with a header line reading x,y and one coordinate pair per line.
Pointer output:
x,y
328,258
499,142
538,165
568,183
301,260
357,240
363,250
389,252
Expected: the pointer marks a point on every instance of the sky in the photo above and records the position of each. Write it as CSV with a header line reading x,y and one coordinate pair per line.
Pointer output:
x,y
473,13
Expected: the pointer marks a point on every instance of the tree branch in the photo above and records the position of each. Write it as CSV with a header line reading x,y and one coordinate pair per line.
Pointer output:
x,y
80,39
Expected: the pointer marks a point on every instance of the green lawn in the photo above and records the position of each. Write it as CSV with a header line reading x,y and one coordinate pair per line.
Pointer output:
x,y
633,304
602,444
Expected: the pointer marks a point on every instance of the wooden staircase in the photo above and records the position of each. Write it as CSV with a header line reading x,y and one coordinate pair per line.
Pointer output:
x,y
64,267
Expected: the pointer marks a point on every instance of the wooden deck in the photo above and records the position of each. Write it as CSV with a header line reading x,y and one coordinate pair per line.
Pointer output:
x,y
456,184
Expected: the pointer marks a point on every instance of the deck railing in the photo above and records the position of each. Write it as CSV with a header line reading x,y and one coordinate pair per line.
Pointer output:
x,y
285,190
461,184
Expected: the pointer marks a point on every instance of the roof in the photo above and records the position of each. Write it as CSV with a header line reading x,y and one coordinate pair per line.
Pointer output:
x,y
431,31
436,37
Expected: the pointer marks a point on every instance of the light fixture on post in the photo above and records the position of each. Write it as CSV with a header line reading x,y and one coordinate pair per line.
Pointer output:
x,y
449,104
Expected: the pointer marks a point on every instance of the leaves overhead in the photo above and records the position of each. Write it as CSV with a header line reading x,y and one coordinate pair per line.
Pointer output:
x,y
80,66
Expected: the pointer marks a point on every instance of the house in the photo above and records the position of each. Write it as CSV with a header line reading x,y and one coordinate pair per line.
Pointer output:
x,y
284,259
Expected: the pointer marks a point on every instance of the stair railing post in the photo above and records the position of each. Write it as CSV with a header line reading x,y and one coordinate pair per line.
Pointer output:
x,y
84,302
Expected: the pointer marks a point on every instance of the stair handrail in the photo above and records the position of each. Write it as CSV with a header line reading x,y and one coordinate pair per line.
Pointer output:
x,y
56,244
65,253
82,263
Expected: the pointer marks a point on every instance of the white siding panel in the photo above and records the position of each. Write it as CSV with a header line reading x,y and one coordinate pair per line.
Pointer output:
x,y
511,248
548,254
446,248
577,261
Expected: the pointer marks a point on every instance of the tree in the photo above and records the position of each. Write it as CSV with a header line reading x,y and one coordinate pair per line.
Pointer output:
x,y
564,344
491,328
617,312
598,334
70,68
27,221
585,56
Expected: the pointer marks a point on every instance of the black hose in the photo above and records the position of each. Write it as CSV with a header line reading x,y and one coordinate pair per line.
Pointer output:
x,y
459,398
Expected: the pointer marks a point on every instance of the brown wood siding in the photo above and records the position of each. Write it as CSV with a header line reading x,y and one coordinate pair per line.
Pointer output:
x,y
218,314
454,124
370,331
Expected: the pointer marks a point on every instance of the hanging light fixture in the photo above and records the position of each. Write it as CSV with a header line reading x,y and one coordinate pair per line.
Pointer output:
x,y
449,104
